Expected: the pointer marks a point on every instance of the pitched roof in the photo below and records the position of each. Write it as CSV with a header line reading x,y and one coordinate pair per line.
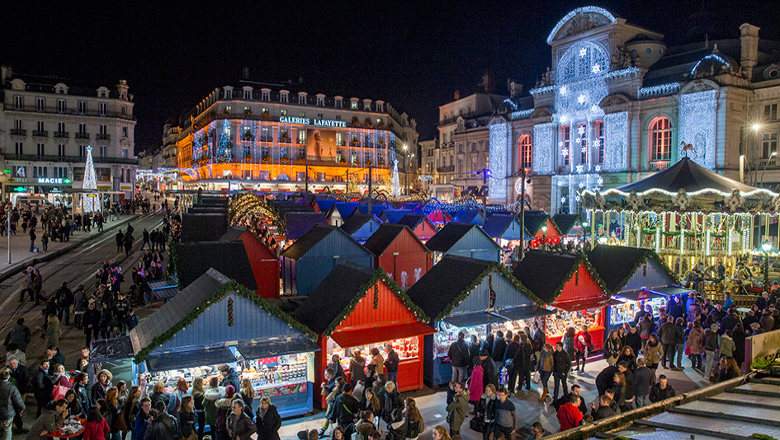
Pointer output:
x,y
688,175
375,209
465,216
449,235
203,227
299,223
325,204
448,282
496,224
617,264
311,238
566,221
394,215
534,221
228,257
412,220
233,233
345,209
339,293
356,221
175,315
546,273
384,237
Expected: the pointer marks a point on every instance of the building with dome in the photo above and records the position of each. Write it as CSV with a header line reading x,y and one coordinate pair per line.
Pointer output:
x,y
617,105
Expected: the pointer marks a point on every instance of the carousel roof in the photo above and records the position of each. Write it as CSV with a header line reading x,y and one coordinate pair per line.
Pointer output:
x,y
688,175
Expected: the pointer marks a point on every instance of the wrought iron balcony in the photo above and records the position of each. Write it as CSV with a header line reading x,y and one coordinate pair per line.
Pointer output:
x,y
40,133
18,132
82,135
103,137
61,134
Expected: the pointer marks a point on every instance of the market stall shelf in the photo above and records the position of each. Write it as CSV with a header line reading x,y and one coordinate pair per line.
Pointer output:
x,y
572,286
356,307
399,252
464,240
215,321
471,296
636,276
310,259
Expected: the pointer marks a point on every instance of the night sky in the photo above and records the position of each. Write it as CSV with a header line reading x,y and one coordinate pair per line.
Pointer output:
x,y
173,53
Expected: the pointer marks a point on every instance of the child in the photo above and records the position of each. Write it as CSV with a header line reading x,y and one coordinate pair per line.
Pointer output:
x,y
96,427
451,392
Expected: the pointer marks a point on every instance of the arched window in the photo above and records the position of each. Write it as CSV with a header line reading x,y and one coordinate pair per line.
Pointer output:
x,y
661,139
524,151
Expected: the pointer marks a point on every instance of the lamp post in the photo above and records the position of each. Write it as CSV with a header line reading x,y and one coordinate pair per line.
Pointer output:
x,y
766,246
774,153
544,236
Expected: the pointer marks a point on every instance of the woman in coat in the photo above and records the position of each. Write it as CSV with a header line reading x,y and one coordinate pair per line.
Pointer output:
x,y
654,352
696,344
476,385
612,348
545,367
239,426
224,406
267,420
210,398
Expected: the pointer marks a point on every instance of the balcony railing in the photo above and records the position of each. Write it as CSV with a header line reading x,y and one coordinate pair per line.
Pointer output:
x,y
448,169
82,135
76,159
40,133
103,137
74,112
18,132
61,134
767,162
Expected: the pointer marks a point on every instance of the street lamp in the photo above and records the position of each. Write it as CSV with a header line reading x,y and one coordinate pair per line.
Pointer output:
x,y
774,153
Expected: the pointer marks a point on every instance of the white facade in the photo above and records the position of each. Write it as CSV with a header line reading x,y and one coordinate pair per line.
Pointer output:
x,y
46,125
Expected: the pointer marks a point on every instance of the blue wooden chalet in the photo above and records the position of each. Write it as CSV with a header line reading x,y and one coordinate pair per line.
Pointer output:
x,y
213,321
503,227
299,223
324,205
394,215
340,212
377,210
468,216
361,226
310,259
465,294
465,240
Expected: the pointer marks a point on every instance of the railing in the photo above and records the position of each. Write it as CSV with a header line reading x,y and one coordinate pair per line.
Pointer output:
x,y
40,133
455,118
74,112
77,159
82,135
61,134
18,132
103,137
448,169
767,162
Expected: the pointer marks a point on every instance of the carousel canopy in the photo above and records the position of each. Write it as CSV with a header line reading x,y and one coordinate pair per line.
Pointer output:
x,y
688,175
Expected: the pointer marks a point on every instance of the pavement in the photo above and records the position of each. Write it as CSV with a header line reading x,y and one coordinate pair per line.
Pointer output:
x,y
529,410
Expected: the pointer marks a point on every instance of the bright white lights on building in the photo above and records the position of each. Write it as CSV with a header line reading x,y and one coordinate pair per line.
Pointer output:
x,y
562,90
579,169
583,52
498,156
698,125
596,68
581,99
616,142
581,129
544,146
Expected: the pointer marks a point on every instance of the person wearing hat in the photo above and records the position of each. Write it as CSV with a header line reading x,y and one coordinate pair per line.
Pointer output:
x,y
489,374
756,327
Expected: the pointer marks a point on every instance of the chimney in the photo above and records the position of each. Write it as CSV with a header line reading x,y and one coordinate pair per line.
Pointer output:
x,y
749,53
6,73
246,72
457,95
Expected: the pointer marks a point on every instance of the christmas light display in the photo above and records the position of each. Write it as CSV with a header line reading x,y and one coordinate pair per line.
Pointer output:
x,y
90,202
711,56
395,187
544,135
659,90
522,114
616,141
698,126
583,10
498,160
224,147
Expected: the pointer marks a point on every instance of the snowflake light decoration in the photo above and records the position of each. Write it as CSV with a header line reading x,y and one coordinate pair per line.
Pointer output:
x,y
562,90
581,99
565,152
581,129
579,168
596,143
596,68
560,182
563,200
594,108
583,52
584,149
560,144
582,185
599,180
597,168
577,198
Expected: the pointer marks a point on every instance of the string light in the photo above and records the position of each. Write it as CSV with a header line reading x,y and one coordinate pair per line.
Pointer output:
x,y
543,148
583,10
659,90
698,125
90,202
616,127
498,155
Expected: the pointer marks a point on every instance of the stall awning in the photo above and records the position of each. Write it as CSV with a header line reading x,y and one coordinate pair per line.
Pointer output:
x,y
639,294
166,294
354,338
174,360
521,313
106,350
265,349
472,319
587,303
670,290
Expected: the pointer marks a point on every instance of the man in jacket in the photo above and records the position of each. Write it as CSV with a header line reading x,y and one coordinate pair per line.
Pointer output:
x,y
604,409
457,409
458,354
710,346
513,361
489,374
20,335
19,377
345,408
527,353
662,390
605,379
643,378
49,421
569,416
506,415
11,405
574,390
64,299
499,347
767,322
55,357
391,363
42,386
668,335
229,377
561,367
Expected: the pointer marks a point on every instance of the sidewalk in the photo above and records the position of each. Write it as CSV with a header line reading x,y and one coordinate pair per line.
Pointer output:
x,y
21,257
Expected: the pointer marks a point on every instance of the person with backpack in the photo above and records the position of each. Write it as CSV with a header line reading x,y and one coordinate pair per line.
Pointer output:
x,y
64,299
345,409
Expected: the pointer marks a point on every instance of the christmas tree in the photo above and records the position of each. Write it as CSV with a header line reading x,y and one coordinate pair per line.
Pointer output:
x,y
90,202
395,187
224,146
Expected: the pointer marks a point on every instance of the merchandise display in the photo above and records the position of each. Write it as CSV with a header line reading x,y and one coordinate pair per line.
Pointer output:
x,y
621,313
406,348
447,334
561,320
513,326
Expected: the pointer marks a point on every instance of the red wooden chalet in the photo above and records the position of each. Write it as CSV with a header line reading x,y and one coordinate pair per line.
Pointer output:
x,y
402,255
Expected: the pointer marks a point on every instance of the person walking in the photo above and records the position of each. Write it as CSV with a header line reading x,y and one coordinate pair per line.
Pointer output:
x,y
91,322
19,335
506,415
561,367
32,239
668,334
457,409
267,420
458,354
146,239
545,368
120,241
710,347
42,386
696,344
11,404
45,241
643,380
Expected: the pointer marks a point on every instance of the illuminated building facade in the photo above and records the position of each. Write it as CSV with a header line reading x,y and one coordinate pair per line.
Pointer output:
x,y
616,104
265,137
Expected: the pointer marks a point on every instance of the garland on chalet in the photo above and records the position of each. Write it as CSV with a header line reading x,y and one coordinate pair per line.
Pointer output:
x,y
230,287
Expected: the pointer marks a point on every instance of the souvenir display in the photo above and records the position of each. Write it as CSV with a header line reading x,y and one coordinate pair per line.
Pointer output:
x,y
621,313
447,334
561,320
406,348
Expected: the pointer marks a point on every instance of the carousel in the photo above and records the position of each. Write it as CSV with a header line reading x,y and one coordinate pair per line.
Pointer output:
x,y
703,224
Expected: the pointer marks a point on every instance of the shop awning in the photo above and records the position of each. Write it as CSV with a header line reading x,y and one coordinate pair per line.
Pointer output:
x,y
587,303
521,313
670,290
174,360
105,350
639,294
264,349
472,319
354,338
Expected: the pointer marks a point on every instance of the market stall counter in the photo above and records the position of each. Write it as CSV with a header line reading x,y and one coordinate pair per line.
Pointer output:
x,y
472,296
356,307
571,285
216,321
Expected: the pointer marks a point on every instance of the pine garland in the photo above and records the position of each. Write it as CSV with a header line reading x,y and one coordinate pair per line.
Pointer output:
x,y
648,254
379,275
231,286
